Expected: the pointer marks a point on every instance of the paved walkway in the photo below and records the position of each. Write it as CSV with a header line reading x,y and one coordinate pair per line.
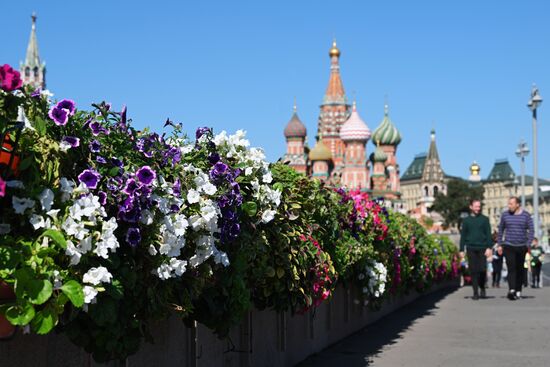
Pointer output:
x,y
449,329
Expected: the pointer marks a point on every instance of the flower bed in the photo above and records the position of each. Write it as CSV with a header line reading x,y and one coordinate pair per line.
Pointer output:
x,y
105,228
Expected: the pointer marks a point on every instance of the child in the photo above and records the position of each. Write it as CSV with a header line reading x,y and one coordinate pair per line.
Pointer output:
x,y
536,263
498,259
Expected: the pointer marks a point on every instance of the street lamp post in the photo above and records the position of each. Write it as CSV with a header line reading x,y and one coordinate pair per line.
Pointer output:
x,y
533,104
521,153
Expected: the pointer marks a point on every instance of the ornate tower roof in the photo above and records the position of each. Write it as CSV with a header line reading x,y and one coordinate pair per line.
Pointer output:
x,y
354,128
320,152
432,168
295,128
33,69
33,58
335,90
386,133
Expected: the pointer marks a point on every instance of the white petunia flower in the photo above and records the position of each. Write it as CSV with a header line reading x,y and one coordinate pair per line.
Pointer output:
x,y
178,266
268,216
267,178
209,189
146,217
21,204
97,275
46,199
248,171
73,252
37,221
89,294
193,196
53,213
152,250
164,271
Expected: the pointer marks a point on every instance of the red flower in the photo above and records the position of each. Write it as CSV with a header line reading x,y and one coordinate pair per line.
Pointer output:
x,y
10,79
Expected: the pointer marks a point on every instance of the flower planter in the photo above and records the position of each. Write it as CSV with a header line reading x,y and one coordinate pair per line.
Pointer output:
x,y
7,330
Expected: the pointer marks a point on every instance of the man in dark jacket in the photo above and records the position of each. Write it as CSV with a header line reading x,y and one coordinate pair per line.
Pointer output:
x,y
475,236
515,234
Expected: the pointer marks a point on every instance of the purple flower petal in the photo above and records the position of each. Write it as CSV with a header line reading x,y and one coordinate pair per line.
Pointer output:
x,y
59,115
95,146
133,236
146,175
67,104
73,141
90,178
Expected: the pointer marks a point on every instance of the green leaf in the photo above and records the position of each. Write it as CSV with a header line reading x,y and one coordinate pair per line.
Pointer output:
x,y
73,290
114,171
115,289
280,273
39,291
9,258
44,321
20,314
25,163
250,208
57,237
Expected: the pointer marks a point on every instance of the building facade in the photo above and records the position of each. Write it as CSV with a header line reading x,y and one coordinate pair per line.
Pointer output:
x,y
340,155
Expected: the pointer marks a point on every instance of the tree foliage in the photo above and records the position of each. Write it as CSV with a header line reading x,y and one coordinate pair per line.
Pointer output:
x,y
456,200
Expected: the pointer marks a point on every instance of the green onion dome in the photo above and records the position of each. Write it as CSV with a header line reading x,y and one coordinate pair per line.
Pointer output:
x,y
386,133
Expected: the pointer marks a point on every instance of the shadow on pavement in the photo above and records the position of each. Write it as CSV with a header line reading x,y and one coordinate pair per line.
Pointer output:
x,y
357,349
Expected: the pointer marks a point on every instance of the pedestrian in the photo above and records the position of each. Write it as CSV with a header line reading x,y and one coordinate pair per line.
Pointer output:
x,y
515,234
475,237
537,257
498,257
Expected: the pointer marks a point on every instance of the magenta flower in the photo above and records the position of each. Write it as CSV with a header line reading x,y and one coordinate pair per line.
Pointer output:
x,y
2,188
59,115
146,175
90,178
10,79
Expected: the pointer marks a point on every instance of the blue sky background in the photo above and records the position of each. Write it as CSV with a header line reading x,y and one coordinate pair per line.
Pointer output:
x,y
464,67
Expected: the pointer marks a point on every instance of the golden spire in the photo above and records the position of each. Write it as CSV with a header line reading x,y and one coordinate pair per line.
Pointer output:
x,y
334,51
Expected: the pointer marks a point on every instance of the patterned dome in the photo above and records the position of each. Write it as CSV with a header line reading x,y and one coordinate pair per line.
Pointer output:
x,y
320,152
354,128
386,133
295,128
379,155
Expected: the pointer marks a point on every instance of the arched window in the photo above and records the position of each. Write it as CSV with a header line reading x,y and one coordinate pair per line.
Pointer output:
x,y
436,189
426,191
35,70
27,71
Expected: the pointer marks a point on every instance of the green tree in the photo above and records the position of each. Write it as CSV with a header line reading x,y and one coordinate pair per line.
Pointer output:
x,y
456,201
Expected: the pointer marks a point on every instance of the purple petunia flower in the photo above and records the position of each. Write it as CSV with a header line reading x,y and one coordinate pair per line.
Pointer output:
x,y
146,175
59,115
71,141
123,116
219,169
97,128
102,197
95,146
68,105
37,93
201,131
117,162
214,158
100,159
176,188
90,178
131,187
133,236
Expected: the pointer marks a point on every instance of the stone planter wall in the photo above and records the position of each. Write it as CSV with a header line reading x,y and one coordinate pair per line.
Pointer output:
x,y
264,338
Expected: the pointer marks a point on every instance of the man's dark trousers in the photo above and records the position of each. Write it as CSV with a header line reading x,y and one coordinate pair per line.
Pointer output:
x,y
515,259
478,268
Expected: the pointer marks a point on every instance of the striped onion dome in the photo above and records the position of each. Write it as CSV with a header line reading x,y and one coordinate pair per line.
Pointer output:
x,y
386,133
379,155
295,128
354,128
320,152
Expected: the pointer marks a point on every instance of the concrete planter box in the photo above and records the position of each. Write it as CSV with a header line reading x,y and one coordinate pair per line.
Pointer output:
x,y
264,338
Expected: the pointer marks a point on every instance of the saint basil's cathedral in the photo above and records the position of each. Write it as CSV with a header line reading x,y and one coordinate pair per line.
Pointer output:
x,y
340,156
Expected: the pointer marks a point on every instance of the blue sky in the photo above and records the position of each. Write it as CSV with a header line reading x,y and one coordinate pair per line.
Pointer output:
x,y
463,67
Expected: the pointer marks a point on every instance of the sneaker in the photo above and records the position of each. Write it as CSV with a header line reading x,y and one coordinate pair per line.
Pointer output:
x,y
483,294
518,295
475,297
512,295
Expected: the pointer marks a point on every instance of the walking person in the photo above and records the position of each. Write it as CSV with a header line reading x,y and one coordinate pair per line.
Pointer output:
x,y
498,258
537,257
475,237
515,234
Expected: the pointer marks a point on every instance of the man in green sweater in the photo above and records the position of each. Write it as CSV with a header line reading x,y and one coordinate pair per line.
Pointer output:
x,y
475,236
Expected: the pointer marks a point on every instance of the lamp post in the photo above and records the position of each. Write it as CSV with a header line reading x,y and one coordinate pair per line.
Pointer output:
x,y
521,153
533,104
